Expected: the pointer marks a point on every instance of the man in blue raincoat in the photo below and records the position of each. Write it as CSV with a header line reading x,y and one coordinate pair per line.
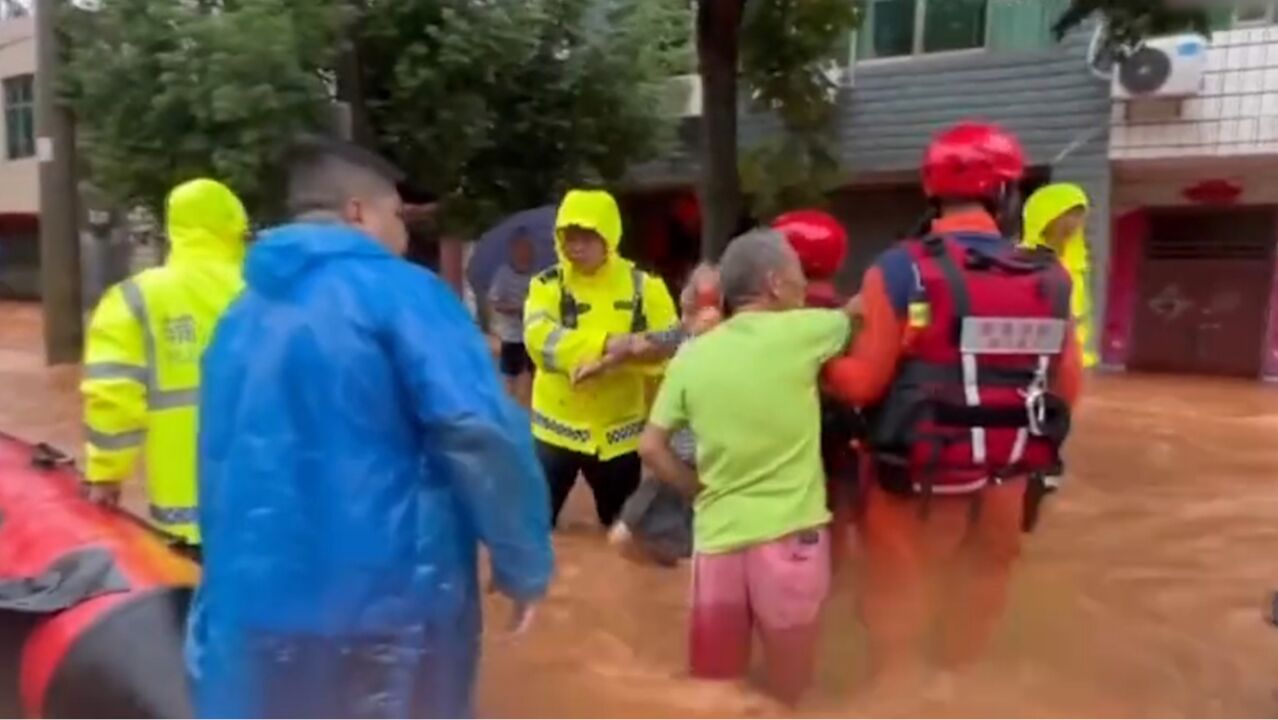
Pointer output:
x,y
355,445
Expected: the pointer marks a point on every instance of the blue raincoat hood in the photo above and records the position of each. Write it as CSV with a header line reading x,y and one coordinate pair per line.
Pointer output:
x,y
356,446
283,255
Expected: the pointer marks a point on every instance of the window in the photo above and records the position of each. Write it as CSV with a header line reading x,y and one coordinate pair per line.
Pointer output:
x,y
896,28
1250,13
10,9
19,117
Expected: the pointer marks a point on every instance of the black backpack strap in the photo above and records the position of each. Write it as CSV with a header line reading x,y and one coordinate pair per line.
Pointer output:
x,y
569,309
1059,288
638,320
938,248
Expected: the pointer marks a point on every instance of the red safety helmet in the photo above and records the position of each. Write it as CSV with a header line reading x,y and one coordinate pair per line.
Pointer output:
x,y
818,238
972,161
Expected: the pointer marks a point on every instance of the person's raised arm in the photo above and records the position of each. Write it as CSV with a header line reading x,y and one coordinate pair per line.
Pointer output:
x,y
668,414
861,377
114,388
480,436
553,347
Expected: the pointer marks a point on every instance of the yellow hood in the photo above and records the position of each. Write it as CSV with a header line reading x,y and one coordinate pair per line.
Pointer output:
x,y
591,209
1044,206
206,221
1049,203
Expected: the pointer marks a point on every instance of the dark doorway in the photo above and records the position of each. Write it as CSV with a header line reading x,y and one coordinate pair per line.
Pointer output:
x,y
1204,291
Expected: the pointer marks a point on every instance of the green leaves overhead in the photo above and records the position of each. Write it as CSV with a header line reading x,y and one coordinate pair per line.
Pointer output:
x,y
494,105
791,57
498,106
167,91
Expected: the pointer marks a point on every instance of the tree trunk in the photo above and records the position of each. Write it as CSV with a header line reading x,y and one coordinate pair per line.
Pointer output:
x,y
59,196
718,24
350,82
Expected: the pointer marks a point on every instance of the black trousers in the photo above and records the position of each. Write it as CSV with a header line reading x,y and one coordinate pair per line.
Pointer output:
x,y
612,481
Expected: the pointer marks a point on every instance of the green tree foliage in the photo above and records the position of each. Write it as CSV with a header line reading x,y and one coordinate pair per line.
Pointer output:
x,y
167,91
790,57
497,106
784,54
1129,21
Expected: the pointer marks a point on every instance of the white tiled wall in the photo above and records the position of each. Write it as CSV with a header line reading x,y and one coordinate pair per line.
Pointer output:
x,y
1235,115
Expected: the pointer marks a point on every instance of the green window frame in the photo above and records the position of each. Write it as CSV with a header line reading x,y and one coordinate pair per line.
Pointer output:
x,y
19,117
908,28
1254,13
1010,25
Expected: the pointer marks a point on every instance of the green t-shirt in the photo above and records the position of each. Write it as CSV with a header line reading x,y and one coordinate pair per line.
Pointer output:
x,y
749,392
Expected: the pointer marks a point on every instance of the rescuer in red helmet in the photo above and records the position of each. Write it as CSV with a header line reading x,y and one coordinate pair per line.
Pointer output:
x,y
966,366
821,243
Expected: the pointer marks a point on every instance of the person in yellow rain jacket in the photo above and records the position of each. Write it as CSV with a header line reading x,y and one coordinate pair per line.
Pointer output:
x,y
1054,217
593,305
141,382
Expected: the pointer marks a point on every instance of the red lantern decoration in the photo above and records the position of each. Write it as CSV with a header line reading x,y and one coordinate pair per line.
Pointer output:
x,y
1213,192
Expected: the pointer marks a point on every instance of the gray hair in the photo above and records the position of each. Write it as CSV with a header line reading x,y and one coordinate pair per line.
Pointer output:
x,y
744,269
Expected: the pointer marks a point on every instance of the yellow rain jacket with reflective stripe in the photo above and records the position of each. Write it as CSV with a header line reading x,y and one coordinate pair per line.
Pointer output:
x,y
1044,206
141,383
602,416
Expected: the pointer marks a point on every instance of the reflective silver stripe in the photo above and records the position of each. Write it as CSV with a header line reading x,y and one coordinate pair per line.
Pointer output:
x,y
157,399
1018,448
963,489
1032,408
972,394
537,317
626,432
115,371
175,399
558,428
548,350
173,515
112,442
137,305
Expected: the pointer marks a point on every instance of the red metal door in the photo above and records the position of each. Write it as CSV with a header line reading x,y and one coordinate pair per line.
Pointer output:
x,y
1204,285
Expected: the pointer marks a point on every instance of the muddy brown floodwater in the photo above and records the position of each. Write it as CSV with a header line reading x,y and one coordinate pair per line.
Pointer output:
x,y
1141,594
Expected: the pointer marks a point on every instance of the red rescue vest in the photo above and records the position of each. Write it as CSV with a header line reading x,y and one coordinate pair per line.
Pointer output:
x,y
971,402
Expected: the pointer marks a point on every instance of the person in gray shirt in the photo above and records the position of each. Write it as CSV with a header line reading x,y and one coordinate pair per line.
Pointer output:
x,y
656,522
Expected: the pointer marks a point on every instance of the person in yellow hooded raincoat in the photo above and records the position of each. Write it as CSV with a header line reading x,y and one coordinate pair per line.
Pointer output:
x,y
141,383
1054,217
591,305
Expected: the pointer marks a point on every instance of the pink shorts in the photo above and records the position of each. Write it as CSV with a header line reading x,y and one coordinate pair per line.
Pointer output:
x,y
776,586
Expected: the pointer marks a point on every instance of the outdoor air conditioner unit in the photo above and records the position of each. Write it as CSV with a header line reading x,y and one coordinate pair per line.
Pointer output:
x,y
1166,67
683,96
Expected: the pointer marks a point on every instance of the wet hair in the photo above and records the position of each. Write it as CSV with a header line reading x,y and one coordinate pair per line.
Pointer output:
x,y
744,269
324,173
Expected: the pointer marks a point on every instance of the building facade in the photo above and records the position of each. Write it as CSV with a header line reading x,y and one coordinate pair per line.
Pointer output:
x,y
1151,169
19,173
1195,221
19,186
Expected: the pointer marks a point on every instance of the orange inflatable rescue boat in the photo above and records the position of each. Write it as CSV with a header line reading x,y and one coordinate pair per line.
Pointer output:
x,y
92,603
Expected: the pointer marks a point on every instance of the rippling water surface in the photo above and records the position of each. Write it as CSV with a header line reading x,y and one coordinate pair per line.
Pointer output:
x,y
1140,595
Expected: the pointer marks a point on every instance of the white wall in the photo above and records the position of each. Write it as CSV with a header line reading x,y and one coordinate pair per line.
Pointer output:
x,y
1143,185
1235,115
19,180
